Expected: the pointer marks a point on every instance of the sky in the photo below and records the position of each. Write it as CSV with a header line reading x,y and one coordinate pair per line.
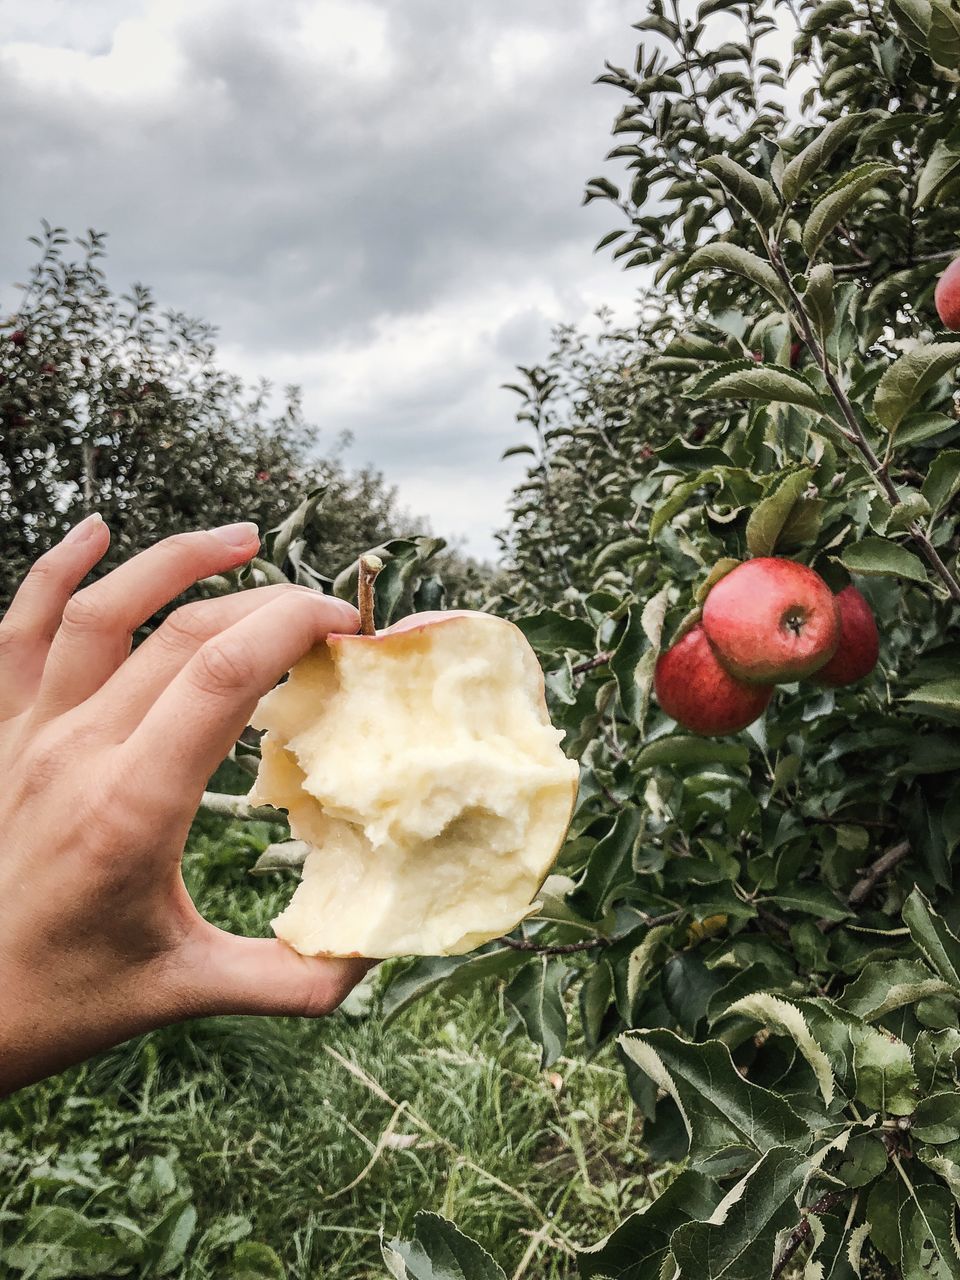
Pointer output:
x,y
379,201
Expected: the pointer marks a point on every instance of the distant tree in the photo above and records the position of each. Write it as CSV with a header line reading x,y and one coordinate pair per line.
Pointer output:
x,y
109,404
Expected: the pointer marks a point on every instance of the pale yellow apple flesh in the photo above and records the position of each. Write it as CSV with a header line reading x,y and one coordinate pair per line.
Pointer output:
x,y
421,768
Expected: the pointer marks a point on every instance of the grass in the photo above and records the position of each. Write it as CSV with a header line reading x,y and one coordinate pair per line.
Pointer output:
x,y
266,1147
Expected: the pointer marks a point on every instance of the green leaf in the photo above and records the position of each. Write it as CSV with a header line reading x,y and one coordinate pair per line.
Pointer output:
x,y
732,258
914,507
551,632
786,1019
754,195
835,204
283,855
939,944
943,480
638,1246
769,517
517,449
456,973
746,380
941,168
276,541
937,1118
818,300
886,985
720,1109
944,694
680,749
944,35
610,866
913,19
438,1251
886,1080
738,1241
812,899
537,995
879,557
803,168
908,379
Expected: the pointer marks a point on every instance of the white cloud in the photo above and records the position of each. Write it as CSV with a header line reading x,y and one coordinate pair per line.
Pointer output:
x,y
379,201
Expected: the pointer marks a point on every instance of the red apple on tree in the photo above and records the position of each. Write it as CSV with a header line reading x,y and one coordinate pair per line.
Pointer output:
x,y
700,694
946,297
859,646
772,620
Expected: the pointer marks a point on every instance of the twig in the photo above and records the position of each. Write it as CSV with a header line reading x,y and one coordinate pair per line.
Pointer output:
x,y
590,663
886,862
560,949
801,1232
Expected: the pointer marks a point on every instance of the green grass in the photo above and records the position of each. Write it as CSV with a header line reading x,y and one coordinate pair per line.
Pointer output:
x,y
227,1147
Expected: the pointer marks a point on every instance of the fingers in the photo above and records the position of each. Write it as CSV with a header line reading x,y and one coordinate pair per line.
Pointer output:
x,y
31,622
120,705
98,622
229,974
203,710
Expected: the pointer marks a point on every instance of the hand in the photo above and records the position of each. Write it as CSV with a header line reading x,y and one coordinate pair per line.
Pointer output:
x,y
104,755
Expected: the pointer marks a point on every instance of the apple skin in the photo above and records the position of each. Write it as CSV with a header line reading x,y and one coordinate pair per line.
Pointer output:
x,y
772,621
696,691
859,646
946,297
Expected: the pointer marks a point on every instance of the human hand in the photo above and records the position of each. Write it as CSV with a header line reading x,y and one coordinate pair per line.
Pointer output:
x,y
104,755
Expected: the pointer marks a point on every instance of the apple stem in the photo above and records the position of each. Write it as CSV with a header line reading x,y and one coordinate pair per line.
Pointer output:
x,y
370,566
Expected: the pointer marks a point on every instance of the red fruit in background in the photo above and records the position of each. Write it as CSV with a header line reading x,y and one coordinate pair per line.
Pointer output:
x,y
796,350
758,356
859,646
696,691
772,620
263,475
946,297
18,337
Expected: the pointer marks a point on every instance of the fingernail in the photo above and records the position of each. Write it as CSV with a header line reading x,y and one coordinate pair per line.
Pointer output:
x,y
85,529
238,535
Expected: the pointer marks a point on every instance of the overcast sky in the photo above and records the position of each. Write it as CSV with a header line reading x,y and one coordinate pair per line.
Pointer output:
x,y
377,199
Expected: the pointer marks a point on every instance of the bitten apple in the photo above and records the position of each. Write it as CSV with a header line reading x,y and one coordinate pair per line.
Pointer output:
x,y
420,766
693,688
859,646
946,296
772,620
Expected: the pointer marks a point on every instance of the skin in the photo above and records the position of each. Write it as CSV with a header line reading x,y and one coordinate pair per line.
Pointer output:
x,y
859,646
695,690
772,620
104,754
946,296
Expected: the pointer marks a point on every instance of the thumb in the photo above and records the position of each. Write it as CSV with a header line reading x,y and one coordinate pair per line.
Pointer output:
x,y
231,974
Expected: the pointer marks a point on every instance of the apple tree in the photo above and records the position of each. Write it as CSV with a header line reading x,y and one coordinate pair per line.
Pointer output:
x,y
766,925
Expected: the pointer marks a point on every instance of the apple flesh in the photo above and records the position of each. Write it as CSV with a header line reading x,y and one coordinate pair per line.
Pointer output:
x,y
859,646
946,296
421,768
695,690
772,620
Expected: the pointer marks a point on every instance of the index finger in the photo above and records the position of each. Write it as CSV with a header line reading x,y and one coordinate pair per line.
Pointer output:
x,y
201,713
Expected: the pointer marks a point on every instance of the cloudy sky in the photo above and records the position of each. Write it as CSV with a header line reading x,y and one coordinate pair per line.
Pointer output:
x,y
377,199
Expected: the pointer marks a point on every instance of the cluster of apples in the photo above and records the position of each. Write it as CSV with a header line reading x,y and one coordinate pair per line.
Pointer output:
x,y
769,621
